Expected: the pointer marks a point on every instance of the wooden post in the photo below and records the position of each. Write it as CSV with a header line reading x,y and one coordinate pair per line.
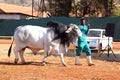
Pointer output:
x,y
99,50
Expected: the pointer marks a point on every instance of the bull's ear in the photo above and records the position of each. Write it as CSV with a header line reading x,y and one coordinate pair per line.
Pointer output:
x,y
68,30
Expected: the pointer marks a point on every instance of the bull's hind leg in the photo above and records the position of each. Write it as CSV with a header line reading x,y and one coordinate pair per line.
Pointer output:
x,y
16,55
21,52
62,59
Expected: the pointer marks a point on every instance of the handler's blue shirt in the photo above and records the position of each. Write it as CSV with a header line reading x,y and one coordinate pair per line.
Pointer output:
x,y
84,29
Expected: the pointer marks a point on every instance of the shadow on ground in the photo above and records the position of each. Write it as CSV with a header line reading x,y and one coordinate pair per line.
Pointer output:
x,y
104,56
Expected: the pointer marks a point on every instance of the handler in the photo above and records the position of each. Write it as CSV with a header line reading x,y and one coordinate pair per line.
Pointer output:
x,y
82,44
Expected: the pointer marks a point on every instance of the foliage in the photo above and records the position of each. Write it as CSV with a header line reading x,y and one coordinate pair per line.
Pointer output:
x,y
116,11
61,7
90,8
93,8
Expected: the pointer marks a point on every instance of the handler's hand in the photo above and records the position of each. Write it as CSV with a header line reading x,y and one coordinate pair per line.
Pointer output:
x,y
88,25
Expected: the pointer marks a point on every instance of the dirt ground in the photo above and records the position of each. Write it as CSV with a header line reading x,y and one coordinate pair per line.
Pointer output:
x,y
104,69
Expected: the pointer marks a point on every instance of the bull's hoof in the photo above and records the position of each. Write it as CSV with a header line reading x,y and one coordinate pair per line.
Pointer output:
x,y
24,63
44,63
35,53
16,60
65,65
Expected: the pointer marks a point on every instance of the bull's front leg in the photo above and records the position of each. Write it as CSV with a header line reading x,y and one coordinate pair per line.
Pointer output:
x,y
62,59
44,58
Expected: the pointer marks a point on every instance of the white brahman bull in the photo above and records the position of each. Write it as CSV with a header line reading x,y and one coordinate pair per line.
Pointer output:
x,y
47,38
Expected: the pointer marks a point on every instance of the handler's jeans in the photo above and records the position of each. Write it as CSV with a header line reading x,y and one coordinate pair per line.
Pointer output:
x,y
83,45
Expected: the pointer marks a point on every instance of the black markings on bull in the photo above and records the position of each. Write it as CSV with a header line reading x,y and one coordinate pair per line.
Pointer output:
x,y
57,27
59,30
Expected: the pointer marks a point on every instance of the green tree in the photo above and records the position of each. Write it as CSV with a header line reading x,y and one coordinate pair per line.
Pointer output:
x,y
60,7
108,6
116,11
93,7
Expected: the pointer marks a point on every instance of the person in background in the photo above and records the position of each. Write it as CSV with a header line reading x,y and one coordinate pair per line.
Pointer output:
x,y
82,44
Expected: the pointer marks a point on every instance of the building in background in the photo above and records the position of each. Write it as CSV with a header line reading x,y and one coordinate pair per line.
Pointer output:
x,y
10,11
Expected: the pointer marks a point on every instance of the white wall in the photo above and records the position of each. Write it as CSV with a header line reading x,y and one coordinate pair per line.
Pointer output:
x,y
11,16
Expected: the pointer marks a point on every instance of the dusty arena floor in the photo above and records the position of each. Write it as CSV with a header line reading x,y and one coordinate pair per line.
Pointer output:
x,y
104,69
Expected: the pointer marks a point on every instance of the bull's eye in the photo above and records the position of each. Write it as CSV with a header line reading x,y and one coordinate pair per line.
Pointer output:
x,y
74,31
76,28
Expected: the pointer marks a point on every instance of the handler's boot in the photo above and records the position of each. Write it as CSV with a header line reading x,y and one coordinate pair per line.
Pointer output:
x,y
90,63
77,62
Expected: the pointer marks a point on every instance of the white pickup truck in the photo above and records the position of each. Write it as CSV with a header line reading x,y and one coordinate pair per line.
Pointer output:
x,y
97,39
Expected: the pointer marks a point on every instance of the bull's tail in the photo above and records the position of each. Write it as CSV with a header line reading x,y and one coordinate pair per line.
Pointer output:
x,y
9,51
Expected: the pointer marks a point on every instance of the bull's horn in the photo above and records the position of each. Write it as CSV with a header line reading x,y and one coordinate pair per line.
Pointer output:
x,y
68,30
72,25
